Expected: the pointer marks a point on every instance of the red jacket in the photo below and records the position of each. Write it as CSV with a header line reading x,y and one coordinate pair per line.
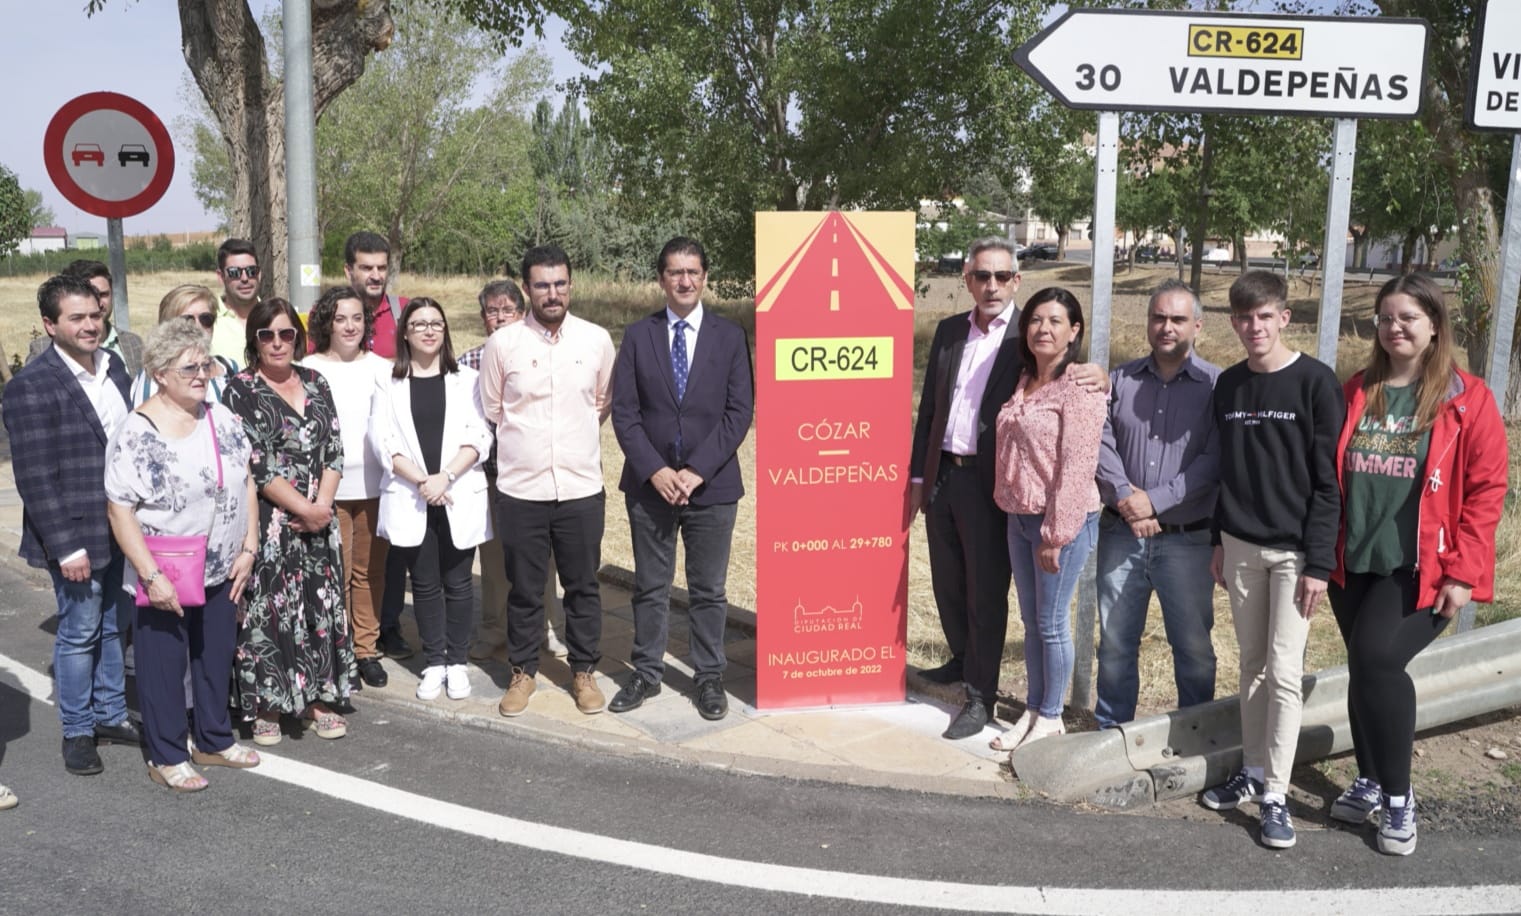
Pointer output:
x,y
1462,491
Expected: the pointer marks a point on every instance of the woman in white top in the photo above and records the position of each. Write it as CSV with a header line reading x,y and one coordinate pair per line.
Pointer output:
x,y
198,305
340,330
432,438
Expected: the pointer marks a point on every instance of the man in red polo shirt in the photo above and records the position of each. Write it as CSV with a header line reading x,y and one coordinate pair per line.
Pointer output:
x,y
367,265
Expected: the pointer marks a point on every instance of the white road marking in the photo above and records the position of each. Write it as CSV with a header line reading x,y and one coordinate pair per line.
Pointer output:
x,y
814,882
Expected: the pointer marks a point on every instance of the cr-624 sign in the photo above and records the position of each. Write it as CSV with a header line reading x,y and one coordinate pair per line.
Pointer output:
x,y
1139,60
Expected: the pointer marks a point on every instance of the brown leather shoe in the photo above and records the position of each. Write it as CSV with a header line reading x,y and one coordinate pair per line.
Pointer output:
x,y
515,700
589,698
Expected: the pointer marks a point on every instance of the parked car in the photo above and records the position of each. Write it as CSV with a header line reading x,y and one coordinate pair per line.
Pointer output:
x,y
1153,253
88,152
132,152
1217,256
1041,251
950,264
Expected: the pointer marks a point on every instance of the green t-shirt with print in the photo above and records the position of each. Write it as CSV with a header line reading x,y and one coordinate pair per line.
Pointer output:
x,y
1384,468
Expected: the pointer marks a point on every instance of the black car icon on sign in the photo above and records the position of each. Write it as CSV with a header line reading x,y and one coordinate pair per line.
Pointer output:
x,y
132,152
87,152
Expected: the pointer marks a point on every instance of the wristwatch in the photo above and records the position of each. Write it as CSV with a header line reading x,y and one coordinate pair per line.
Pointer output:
x,y
151,578
451,475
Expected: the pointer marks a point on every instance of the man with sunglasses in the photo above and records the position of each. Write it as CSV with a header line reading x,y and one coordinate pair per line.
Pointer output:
x,y
125,344
545,383
367,265
973,368
238,269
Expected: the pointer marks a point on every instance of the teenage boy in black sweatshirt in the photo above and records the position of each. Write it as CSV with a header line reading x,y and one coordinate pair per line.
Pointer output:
x,y
1278,413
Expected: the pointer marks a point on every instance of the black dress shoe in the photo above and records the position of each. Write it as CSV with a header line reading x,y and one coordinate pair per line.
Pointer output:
x,y
393,645
948,673
968,722
632,695
372,672
124,732
712,702
80,757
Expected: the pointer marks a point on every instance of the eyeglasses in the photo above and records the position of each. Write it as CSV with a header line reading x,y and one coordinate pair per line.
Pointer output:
x,y
1409,319
425,326
689,273
542,286
206,319
983,276
267,335
191,370
499,314
238,273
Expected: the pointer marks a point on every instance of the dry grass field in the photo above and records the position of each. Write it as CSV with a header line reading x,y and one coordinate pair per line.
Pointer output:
x,y
614,304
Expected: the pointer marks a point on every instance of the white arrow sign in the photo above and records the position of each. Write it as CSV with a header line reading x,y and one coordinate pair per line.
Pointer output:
x,y
1494,78
1139,60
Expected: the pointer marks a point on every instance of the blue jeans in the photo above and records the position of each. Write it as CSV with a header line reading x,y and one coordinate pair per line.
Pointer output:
x,y
87,663
1176,566
1045,606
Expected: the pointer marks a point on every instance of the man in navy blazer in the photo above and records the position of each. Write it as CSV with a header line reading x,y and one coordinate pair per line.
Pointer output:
x,y
60,411
683,397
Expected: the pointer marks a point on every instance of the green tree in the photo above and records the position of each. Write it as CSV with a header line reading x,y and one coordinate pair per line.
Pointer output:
x,y
1061,192
38,213
15,215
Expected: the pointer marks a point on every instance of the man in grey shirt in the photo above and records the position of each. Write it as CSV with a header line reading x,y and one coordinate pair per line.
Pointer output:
x,y
1158,475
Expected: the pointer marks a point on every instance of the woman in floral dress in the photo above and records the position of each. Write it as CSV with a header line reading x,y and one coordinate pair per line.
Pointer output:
x,y
295,651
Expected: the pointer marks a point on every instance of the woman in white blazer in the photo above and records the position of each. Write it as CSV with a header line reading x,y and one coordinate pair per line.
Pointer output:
x,y
431,437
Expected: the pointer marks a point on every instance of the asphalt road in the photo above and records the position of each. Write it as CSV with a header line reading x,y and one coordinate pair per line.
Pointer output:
x,y
411,813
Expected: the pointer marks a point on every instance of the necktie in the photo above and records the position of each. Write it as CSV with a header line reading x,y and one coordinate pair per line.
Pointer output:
x,y
679,358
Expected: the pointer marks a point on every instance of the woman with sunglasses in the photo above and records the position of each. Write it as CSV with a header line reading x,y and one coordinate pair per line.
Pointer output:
x,y
340,329
179,466
1422,464
431,438
197,305
295,653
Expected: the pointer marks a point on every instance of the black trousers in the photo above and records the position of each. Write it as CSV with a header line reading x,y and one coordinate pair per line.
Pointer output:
x,y
208,637
1383,630
443,591
969,569
572,528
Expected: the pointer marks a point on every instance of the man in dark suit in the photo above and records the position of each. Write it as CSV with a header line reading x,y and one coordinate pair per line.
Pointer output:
x,y
60,411
683,397
123,343
973,368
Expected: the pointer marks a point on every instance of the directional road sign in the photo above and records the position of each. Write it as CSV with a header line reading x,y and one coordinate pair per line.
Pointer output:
x,y
108,154
1141,60
1494,78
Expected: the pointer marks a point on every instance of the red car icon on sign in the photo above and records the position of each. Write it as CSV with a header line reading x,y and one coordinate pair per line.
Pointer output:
x,y
88,152
132,152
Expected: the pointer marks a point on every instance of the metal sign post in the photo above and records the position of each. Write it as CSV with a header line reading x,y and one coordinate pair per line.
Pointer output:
x,y
1334,252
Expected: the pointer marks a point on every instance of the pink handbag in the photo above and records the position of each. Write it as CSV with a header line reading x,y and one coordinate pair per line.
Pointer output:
x,y
181,558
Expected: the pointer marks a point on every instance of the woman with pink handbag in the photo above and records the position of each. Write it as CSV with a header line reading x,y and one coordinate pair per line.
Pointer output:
x,y
179,490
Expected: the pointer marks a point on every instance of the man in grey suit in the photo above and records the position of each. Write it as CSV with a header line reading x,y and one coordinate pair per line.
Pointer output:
x,y
683,397
125,344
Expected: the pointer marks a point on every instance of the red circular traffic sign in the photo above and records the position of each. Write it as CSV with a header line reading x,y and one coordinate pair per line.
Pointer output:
x,y
108,154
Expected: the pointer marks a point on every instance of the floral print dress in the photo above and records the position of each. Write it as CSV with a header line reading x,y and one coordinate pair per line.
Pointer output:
x,y
294,646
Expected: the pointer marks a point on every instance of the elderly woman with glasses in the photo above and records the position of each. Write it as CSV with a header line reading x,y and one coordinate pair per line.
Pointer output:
x,y
295,652
196,305
179,466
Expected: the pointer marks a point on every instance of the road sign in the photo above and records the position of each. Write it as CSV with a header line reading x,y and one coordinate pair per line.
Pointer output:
x,y
108,154
1141,60
1494,76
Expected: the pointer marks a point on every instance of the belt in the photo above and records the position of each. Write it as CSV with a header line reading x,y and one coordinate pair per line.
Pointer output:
x,y
1168,528
960,461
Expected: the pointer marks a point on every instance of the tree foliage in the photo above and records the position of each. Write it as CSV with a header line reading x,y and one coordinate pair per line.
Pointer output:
x,y
15,216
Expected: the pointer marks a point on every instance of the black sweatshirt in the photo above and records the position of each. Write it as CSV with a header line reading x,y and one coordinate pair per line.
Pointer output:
x,y
1278,433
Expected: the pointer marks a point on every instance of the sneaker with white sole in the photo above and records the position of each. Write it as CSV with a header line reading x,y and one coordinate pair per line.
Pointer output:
x,y
1277,826
1396,827
1361,799
432,683
1239,788
457,680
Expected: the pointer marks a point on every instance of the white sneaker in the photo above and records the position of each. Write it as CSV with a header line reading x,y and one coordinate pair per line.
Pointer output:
x,y
552,643
458,677
432,683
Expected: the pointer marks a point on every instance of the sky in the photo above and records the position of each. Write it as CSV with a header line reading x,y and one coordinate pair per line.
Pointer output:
x,y
51,52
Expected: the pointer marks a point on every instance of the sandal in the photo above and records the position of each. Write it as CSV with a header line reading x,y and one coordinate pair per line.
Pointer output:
x,y
235,755
177,777
8,799
328,724
266,732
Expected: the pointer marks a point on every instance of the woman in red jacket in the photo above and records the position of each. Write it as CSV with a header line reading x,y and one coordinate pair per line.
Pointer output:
x,y
1422,466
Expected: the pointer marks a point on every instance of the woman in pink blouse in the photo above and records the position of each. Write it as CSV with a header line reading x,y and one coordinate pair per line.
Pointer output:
x,y
1048,446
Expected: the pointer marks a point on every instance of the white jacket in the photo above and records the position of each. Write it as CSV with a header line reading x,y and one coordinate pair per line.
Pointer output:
x,y
403,511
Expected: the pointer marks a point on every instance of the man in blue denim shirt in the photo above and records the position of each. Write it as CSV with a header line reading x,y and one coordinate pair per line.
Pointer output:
x,y
1158,475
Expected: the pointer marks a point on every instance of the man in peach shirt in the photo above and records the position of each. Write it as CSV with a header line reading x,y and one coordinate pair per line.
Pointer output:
x,y
545,383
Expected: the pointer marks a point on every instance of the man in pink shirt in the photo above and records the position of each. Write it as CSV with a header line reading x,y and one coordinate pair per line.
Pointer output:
x,y
367,265
545,383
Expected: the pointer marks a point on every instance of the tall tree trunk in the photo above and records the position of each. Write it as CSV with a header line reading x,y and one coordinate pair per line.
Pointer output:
x,y
228,57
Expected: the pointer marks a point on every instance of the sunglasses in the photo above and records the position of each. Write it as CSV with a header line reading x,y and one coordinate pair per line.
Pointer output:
x,y
205,318
983,276
238,273
267,335
190,370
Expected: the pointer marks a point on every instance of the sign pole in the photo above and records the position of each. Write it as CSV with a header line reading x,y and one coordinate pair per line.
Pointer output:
x,y
1334,252
117,244
1503,321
